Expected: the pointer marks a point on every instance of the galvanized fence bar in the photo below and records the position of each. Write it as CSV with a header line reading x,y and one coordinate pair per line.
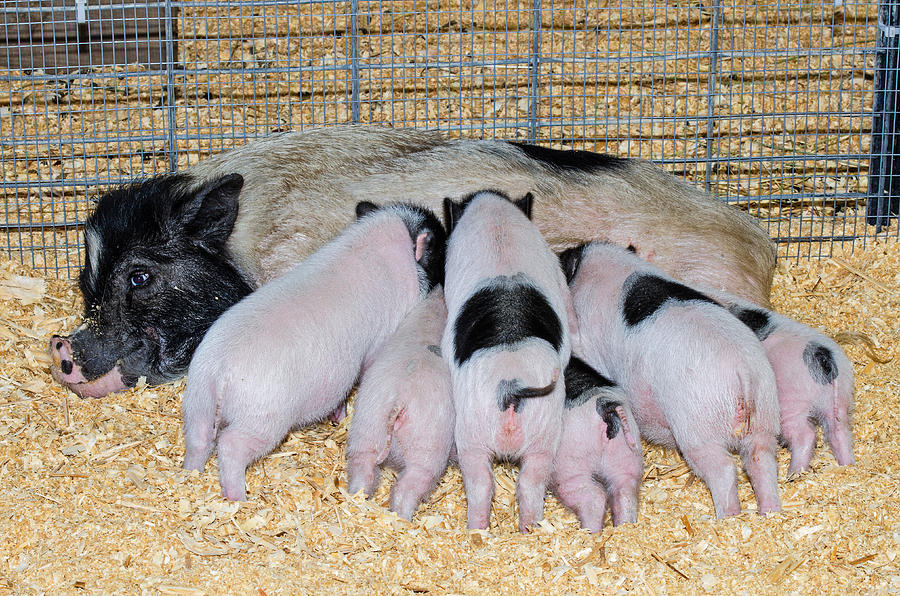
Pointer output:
x,y
171,61
711,93
534,89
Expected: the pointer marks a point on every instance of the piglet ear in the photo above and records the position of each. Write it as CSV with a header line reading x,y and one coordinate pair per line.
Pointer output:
x,y
363,208
209,214
524,204
424,245
570,259
429,252
452,213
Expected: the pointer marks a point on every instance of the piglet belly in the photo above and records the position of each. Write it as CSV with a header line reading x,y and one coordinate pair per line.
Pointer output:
x,y
650,417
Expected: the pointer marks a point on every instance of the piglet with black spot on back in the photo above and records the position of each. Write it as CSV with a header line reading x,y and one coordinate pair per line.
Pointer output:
x,y
599,458
507,341
814,378
288,354
697,379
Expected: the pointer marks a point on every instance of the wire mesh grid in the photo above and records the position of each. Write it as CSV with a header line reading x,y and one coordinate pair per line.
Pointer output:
x,y
786,109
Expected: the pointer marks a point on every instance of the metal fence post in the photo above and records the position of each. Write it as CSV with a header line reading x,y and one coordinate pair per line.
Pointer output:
x,y
169,95
534,84
354,61
711,93
884,165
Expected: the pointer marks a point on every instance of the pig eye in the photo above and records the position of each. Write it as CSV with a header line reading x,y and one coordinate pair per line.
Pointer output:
x,y
139,278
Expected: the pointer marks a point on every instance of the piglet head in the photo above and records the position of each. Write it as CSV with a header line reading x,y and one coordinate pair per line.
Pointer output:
x,y
427,234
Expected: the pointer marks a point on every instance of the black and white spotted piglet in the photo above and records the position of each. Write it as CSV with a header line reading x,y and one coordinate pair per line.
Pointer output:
x,y
697,379
599,457
814,378
507,341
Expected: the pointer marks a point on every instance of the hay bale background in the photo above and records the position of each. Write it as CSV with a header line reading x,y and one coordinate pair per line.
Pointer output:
x,y
93,496
793,80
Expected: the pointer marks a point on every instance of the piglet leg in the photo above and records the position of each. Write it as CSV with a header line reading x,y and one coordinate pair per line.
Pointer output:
x,y
198,446
758,456
799,434
622,472
362,472
200,430
367,448
531,486
840,439
413,484
712,463
478,480
623,500
237,450
583,495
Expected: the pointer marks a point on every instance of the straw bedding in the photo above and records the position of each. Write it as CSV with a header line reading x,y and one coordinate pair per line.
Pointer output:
x,y
94,497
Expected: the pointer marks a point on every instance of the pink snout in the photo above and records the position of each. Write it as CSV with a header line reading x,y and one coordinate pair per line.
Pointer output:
x,y
67,372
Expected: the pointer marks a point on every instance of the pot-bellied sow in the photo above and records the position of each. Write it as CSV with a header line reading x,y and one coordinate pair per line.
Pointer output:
x,y
166,256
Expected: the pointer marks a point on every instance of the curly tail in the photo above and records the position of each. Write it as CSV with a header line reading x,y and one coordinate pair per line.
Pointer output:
x,y
511,392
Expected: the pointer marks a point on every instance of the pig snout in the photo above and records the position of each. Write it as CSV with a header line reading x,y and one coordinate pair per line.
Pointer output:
x,y
67,372
61,352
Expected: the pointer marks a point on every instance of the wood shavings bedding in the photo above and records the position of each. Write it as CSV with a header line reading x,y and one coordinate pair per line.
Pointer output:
x,y
94,499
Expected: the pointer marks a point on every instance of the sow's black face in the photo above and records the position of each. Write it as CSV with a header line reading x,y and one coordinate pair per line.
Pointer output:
x,y
156,276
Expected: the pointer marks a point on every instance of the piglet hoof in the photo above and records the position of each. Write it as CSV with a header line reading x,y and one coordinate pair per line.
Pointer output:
x,y
477,524
845,459
190,465
730,511
233,494
794,474
769,508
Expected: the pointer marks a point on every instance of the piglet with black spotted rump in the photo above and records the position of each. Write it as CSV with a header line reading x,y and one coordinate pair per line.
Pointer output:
x,y
403,414
814,378
599,457
697,379
288,354
508,342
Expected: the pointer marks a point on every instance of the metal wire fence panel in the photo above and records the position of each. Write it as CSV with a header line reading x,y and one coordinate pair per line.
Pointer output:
x,y
786,109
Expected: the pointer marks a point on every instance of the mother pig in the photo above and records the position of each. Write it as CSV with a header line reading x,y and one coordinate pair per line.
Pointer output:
x,y
166,256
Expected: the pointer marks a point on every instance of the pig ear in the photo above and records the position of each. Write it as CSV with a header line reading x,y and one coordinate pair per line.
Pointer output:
x,y
452,213
424,244
570,259
429,252
524,204
209,215
363,208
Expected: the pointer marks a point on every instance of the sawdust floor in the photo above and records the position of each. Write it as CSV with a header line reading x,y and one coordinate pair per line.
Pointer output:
x,y
92,497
